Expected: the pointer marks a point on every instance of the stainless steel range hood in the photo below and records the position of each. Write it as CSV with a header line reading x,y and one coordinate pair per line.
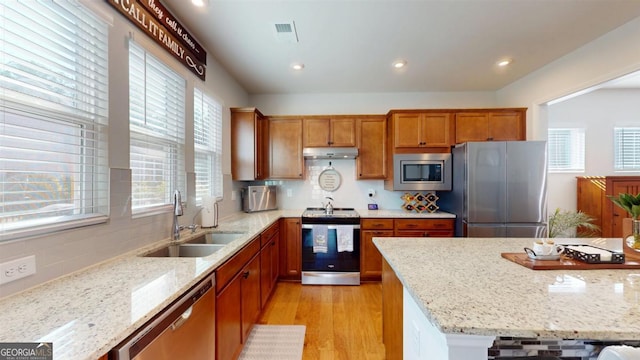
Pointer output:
x,y
335,153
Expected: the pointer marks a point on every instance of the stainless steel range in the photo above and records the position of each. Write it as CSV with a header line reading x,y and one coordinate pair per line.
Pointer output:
x,y
330,246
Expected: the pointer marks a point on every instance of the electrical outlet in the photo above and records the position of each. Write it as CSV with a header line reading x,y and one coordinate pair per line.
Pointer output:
x,y
17,269
289,193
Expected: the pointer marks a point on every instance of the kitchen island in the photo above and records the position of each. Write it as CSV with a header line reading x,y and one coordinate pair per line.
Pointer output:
x,y
459,294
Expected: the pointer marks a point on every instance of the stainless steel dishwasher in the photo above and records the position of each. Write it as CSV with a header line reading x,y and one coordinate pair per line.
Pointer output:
x,y
184,330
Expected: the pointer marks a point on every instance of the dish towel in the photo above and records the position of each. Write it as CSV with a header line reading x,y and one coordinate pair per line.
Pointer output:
x,y
344,236
319,233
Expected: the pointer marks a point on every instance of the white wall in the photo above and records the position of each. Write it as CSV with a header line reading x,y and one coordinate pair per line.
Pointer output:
x,y
611,56
598,113
61,253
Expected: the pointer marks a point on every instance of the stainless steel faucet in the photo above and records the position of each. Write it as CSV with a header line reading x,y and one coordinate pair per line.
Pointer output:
x,y
177,211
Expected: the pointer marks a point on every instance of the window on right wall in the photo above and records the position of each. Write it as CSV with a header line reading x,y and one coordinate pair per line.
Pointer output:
x,y
626,148
566,150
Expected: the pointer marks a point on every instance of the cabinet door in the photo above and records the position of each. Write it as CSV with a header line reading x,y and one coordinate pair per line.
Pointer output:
x,y
250,291
506,126
262,156
269,262
370,258
406,130
229,321
291,249
343,132
435,130
245,144
316,132
472,127
617,214
285,149
371,162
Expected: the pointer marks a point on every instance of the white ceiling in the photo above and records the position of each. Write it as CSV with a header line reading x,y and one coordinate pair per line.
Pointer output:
x,y
349,45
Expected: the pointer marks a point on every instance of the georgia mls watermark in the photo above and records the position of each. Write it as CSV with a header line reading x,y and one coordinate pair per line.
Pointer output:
x,y
26,351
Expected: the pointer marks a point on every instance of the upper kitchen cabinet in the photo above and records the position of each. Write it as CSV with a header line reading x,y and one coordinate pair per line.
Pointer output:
x,y
421,131
285,148
371,133
491,125
249,144
329,131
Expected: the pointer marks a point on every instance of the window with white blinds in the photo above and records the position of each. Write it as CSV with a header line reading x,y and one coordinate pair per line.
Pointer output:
x,y
207,115
156,121
566,150
53,117
626,148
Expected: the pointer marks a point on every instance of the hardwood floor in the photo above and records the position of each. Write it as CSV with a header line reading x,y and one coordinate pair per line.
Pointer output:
x,y
343,322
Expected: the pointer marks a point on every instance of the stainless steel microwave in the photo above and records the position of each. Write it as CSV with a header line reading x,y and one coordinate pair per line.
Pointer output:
x,y
422,172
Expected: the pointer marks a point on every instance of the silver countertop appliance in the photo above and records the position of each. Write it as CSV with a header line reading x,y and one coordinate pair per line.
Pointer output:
x,y
259,198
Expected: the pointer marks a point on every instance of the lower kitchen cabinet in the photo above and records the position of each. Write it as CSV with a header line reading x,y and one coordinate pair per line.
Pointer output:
x,y
370,258
424,227
392,307
291,249
238,302
269,261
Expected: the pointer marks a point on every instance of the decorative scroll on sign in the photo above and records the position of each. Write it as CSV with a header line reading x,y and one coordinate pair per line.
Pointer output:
x,y
160,25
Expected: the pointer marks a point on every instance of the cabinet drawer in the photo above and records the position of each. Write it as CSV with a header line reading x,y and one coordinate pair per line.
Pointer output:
x,y
231,267
373,224
423,224
267,235
424,233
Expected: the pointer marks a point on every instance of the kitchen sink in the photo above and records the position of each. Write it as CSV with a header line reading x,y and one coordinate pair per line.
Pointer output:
x,y
186,250
216,238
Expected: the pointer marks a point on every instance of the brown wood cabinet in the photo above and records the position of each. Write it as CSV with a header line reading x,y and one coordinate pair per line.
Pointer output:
x,y
329,131
285,148
370,258
392,307
371,133
413,129
290,249
424,227
592,192
237,298
491,125
249,144
269,261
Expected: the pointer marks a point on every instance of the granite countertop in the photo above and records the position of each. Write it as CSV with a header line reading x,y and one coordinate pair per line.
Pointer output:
x,y
463,285
388,213
87,313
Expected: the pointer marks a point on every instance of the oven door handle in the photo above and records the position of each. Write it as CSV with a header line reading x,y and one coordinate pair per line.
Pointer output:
x,y
330,226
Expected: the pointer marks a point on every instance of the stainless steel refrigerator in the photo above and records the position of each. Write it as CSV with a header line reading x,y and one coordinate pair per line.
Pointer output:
x,y
499,189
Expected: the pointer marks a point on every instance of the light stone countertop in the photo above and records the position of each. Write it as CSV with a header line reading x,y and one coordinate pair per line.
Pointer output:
x,y
87,313
463,285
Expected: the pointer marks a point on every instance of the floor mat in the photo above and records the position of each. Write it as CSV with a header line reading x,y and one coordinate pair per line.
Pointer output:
x,y
274,342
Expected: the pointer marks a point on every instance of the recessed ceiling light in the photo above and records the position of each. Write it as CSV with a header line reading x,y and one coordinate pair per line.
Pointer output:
x,y
198,3
504,62
399,64
297,66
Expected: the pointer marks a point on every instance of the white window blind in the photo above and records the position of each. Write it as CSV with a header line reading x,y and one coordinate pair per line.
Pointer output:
x,y
156,121
208,146
626,145
53,117
566,149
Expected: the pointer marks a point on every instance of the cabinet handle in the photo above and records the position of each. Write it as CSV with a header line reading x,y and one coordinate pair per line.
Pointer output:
x,y
411,225
490,139
245,275
273,243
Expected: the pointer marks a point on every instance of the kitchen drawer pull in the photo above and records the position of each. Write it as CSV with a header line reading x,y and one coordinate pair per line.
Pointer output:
x,y
245,275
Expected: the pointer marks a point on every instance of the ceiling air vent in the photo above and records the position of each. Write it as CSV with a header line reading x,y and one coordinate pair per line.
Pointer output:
x,y
286,32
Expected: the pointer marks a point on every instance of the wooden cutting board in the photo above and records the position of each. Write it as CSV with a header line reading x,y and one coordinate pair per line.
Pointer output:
x,y
632,261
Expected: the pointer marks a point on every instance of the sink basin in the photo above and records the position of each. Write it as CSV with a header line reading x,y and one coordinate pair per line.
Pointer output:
x,y
216,238
186,250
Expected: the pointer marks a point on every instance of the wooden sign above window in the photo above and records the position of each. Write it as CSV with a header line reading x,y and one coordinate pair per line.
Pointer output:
x,y
160,25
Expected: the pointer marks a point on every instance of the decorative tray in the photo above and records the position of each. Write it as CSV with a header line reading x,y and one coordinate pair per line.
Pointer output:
x,y
593,255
